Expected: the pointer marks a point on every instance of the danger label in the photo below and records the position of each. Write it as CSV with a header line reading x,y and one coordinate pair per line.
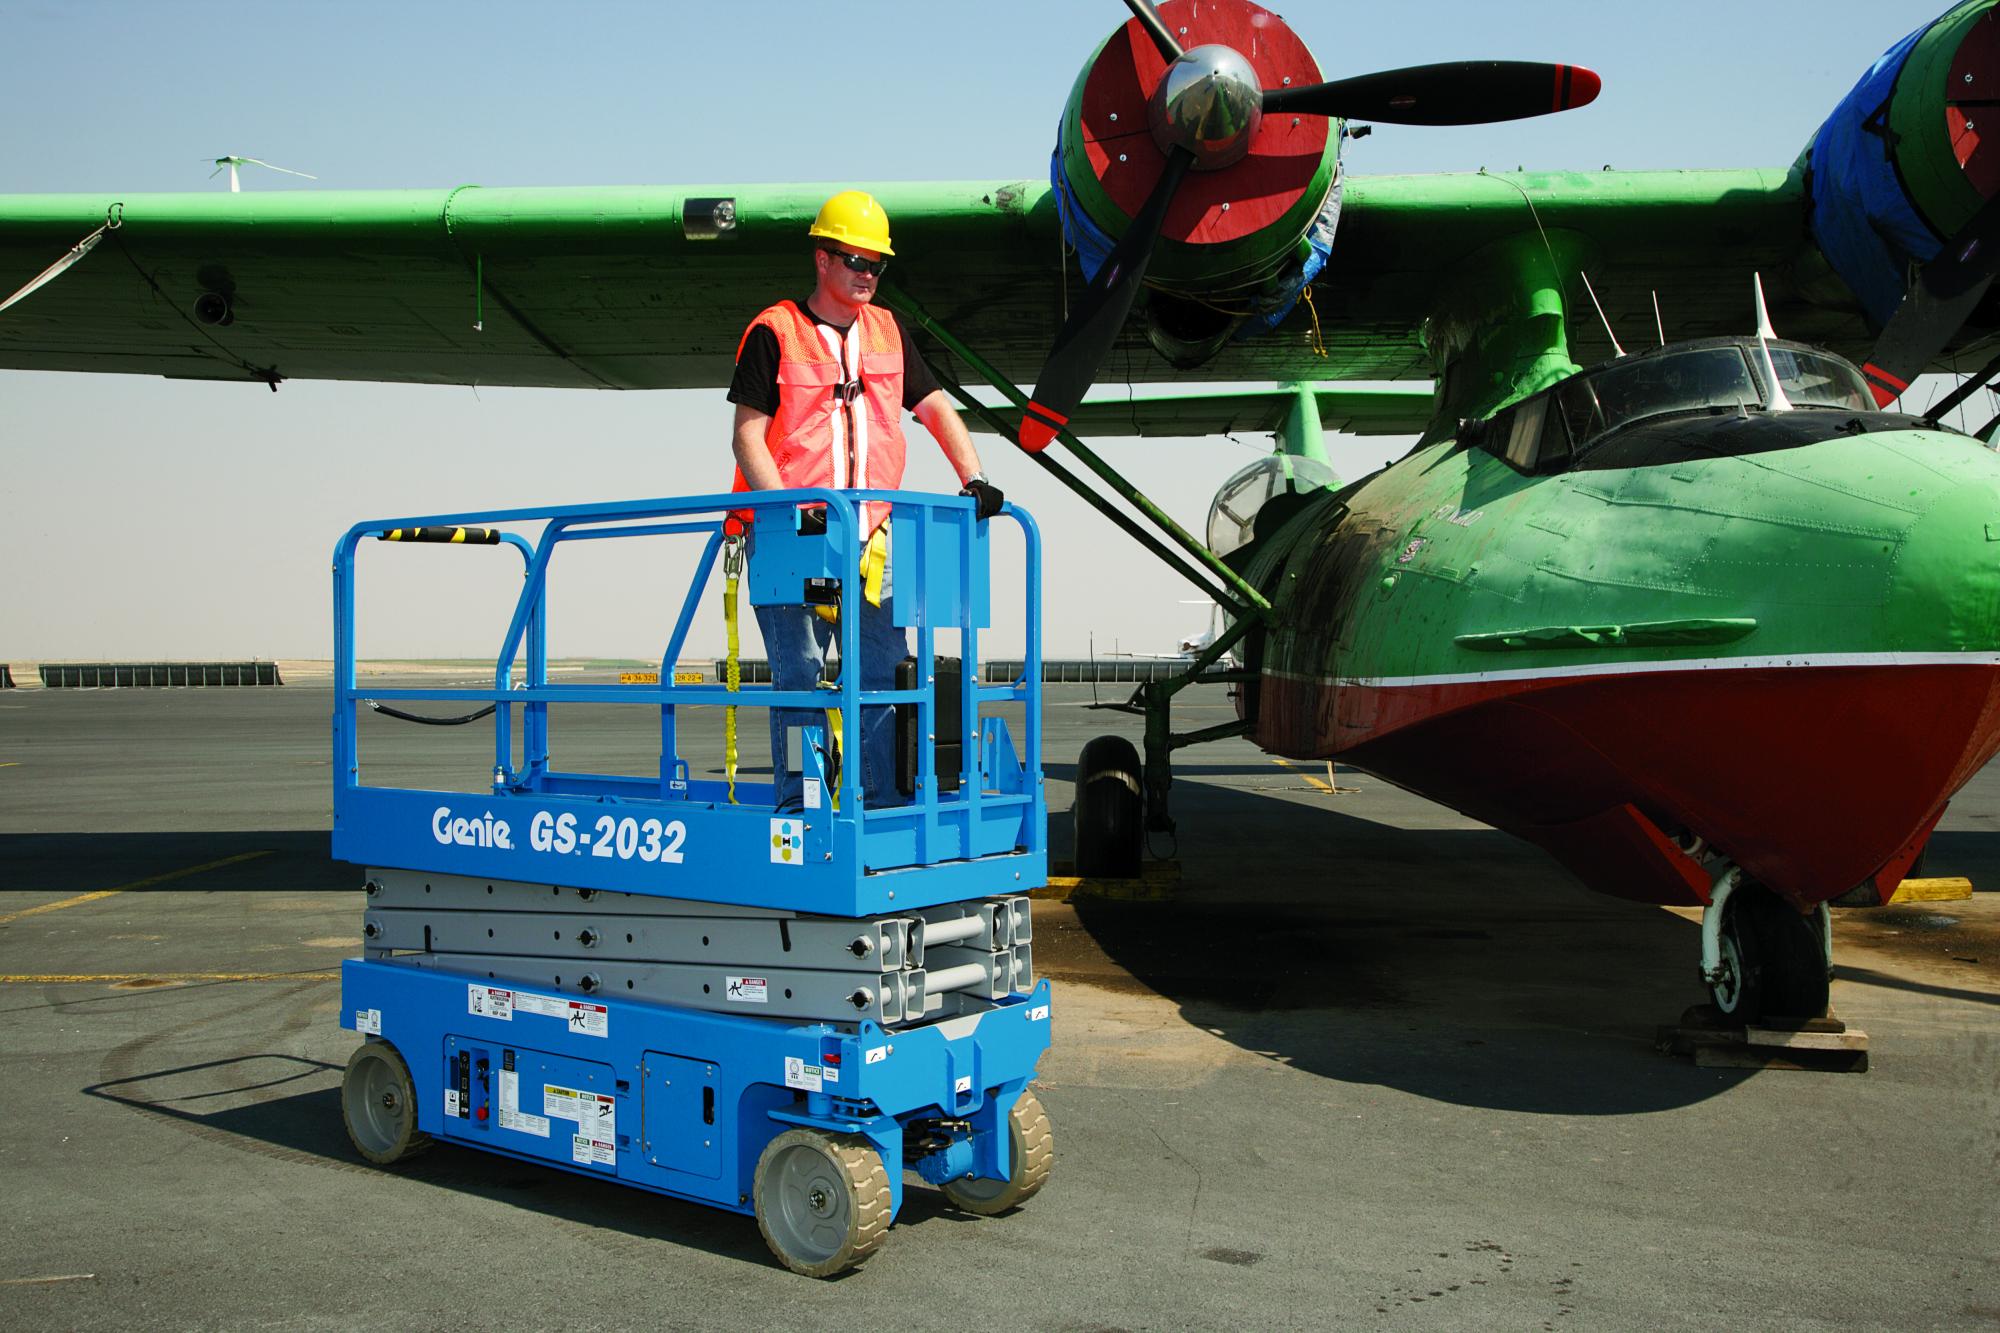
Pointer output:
x,y
748,990
490,1002
589,1020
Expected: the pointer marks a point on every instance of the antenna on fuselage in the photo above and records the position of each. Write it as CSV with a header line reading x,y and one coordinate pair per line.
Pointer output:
x,y
1658,323
1600,313
1774,392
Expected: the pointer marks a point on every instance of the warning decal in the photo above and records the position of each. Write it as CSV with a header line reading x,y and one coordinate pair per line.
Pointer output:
x,y
591,1020
490,1002
748,990
596,1117
799,1074
510,1108
368,1021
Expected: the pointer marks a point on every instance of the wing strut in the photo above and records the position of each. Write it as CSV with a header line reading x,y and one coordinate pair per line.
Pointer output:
x,y
1243,599
1248,609
112,221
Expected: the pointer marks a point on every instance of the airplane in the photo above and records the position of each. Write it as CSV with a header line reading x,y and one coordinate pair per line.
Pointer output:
x,y
1652,615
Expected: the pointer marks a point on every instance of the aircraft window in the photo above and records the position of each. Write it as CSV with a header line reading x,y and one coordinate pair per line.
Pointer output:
x,y
1524,437
1651,386
1813,380
1233,514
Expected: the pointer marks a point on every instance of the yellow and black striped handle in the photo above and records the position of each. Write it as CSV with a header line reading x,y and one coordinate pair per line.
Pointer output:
x,y
451,536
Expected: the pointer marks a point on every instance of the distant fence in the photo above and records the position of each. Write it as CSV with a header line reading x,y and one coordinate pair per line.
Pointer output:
x,y
1073,671
151,675
1082,671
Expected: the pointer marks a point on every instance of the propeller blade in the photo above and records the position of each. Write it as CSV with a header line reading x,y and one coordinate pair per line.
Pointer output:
x,y
1463,92
1093,326
1946,291
1156,28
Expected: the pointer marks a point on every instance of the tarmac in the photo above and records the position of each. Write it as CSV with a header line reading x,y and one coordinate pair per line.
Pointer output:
x,y
1374,1065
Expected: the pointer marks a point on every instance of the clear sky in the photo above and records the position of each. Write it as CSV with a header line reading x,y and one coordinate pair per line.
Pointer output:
x,y
146,518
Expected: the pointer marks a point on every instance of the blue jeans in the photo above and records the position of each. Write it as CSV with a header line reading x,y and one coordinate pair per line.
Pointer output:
x,y
796,642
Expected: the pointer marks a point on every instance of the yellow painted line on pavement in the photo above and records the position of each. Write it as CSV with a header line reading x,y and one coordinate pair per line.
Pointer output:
x,y
1321,783
13,763
54,1277
87,978
93,896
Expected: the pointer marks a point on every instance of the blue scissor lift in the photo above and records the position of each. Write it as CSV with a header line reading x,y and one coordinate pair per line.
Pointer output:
x,y
665,982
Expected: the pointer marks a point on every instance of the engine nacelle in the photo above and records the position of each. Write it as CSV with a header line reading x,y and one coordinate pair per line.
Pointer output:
x,y
1903,163
1254,221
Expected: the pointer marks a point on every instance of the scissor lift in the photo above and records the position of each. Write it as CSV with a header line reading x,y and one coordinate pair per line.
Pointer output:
x,y
665,981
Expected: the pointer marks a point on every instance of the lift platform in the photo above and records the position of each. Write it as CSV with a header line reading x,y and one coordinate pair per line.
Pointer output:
x,y
665,980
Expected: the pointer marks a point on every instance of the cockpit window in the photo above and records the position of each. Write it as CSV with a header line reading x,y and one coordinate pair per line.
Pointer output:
x,y
1814,380
1677,381
1540,433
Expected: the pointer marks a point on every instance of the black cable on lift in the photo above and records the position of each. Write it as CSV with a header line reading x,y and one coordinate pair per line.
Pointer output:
x,y
429,721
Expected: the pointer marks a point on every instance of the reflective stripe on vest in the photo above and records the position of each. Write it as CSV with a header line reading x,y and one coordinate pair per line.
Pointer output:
x,y
825,432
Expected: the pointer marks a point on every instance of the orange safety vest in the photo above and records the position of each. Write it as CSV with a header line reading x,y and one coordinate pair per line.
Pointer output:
x,y
839,422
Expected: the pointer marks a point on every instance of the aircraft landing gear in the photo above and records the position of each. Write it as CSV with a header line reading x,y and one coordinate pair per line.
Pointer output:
x,y
1761,957
1109,809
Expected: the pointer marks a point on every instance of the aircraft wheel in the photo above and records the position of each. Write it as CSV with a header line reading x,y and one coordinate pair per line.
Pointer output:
x,y
1109,809
1774,963
378,1102
1796,981
822,1200
1032,1151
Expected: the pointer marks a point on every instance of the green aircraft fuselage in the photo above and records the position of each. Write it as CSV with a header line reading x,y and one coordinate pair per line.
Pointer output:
x,y
1611,627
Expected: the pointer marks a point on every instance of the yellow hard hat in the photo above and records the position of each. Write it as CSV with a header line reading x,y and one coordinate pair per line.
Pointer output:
x,y
854,218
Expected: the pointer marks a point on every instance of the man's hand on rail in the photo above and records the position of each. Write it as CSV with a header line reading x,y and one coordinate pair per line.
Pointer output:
x,y
987,494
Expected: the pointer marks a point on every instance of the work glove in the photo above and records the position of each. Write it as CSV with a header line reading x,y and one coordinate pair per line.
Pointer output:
x,y
987,494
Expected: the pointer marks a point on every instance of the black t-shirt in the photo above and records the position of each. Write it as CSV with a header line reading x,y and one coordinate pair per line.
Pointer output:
x,y
755,384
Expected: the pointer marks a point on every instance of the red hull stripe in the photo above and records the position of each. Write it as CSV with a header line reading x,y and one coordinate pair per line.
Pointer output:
x,y
1812,779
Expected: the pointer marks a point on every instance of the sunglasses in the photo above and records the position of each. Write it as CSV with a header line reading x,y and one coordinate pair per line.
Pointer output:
x,y
860,263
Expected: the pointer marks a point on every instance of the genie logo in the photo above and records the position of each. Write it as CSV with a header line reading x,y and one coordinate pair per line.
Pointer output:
x,y
485,831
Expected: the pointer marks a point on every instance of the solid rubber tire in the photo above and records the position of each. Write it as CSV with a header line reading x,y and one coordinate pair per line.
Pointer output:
x,y
854,1222
1032,1156
1109,810
384,1132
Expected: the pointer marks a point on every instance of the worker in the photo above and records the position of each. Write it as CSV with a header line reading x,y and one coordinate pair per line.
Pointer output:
x,y
820,388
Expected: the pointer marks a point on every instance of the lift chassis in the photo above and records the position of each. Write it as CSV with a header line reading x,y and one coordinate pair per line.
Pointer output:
x,y
666,980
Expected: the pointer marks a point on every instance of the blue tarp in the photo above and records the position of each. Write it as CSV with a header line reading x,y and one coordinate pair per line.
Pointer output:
x,y
1861,215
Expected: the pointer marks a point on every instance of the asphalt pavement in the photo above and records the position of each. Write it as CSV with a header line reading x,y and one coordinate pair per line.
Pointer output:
x,y
1373,1065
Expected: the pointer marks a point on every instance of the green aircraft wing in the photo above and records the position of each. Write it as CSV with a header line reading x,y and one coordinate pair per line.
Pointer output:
x,y
1184,410
650,288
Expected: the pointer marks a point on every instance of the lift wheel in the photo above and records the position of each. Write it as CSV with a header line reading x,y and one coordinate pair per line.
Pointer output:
x,y
1032,1150
378,1102
822,1200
